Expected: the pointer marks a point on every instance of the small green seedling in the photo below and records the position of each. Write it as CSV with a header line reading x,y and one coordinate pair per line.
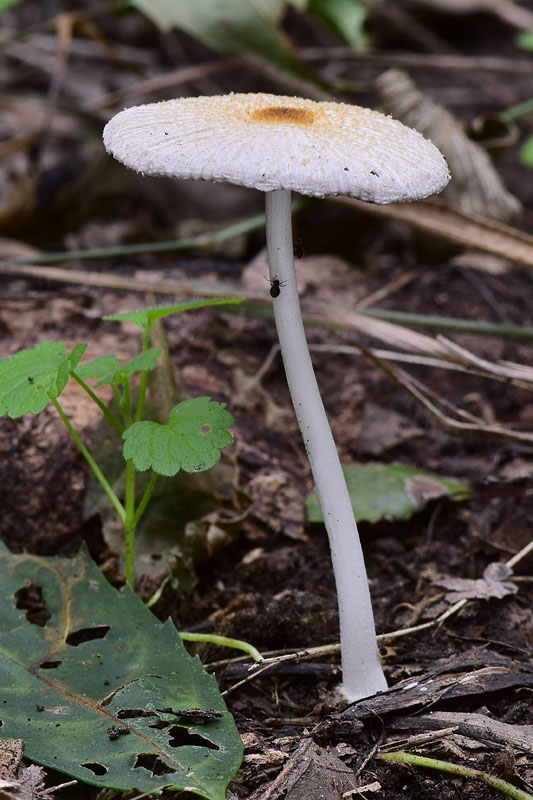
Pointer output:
x,y
191,439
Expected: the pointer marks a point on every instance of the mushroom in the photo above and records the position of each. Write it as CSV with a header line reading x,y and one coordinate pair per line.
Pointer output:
x,y
278,145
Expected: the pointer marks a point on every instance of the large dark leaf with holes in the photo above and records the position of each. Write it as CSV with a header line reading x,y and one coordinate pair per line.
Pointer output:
x,y
88,676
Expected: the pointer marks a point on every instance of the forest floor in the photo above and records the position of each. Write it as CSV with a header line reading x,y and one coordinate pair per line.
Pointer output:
x,y
268,578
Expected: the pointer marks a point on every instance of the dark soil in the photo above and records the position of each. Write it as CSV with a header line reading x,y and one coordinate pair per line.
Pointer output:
x,y
269,578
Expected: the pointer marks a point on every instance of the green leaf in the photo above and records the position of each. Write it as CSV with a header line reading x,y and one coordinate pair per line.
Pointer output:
x,y
227,26
525,40
31,377
97,367
103,660
191,440
141,363
7,3
390,491
346,18
145,317
526,152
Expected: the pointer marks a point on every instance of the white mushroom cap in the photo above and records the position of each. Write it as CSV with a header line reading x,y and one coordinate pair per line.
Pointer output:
x,y
271,142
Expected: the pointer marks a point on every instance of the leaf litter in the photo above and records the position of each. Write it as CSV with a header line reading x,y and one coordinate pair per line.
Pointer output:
x,y
448,536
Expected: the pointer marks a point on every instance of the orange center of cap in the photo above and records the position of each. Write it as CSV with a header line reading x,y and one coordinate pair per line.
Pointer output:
x,y
297,116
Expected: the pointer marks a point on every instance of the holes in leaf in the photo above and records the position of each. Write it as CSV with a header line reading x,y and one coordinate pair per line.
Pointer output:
x,y
161,725
206,428
50,664
87,635
95,768
134,713
153,764
30,598
180,736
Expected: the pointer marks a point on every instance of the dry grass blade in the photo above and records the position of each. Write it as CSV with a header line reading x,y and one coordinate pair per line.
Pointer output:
x,y
455,225
430,401
504,369
441,349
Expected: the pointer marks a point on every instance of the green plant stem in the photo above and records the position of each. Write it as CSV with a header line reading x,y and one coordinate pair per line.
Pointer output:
x,y
145,498
434,322
204,240
126,404
254,307
517,111
158,592
144,377
129,523
102,406
457,769
223,641
261,309
117,505
118,397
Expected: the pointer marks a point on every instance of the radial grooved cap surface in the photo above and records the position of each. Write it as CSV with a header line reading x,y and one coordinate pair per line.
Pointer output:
x,y
270,142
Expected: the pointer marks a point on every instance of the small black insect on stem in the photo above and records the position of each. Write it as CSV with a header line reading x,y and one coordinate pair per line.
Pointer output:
x,y
275,287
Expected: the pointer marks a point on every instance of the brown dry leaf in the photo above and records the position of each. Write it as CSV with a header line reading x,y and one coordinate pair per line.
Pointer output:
x,y
11,753
469,674
311,774
516,469
476,186
475,726
28,786
492,584
16,782
277,502
383,429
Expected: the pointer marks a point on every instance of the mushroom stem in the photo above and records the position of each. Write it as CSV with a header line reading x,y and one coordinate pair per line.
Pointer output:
x,y
361,667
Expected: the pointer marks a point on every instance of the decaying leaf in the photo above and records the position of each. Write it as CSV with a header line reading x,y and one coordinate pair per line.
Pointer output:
x,y
469,674
16,781
85,689
29,785
11,752
492,584
311,773
476,186
382,429
390,491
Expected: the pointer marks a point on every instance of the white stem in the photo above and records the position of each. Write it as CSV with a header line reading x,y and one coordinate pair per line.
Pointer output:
x,y
361,667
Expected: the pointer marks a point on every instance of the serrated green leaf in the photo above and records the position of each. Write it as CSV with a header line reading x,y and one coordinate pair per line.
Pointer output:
x,y
30,378
345,17
145,317
390,491
103,660
141,363
228,26
97,367
191,440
